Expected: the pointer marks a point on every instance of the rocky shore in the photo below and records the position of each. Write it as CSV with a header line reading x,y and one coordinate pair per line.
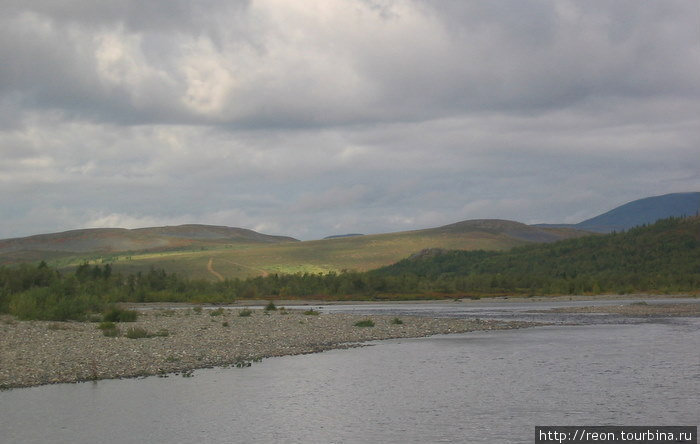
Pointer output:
x,y
636,309
38,352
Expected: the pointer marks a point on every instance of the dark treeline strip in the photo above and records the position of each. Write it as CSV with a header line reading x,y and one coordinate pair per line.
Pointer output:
x,y
664,257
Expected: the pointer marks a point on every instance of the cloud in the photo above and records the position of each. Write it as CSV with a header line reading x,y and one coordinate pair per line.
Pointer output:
x,y
274,63
333,115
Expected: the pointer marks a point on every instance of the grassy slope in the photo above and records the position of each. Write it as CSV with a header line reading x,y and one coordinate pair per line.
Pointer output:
x,y
662,257
352,253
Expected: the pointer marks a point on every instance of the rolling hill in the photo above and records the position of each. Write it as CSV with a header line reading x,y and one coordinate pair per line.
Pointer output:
x,y
639,212
218,252
109,241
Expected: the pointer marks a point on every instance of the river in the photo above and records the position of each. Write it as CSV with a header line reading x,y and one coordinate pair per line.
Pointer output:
x,y
480,387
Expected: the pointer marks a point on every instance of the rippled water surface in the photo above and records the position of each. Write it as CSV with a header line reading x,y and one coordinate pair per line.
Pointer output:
x,y
480,387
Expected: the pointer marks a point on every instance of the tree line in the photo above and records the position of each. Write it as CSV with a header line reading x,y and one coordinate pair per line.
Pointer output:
x,y
663,257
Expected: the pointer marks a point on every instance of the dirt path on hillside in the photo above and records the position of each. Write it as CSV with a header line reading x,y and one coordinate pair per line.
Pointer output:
x,y
211,270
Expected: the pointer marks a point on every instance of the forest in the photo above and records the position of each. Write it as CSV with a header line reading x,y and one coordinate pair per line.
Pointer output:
x,y
660,258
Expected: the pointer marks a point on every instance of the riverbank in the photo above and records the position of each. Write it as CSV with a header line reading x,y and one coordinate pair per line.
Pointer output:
x,y
462,299
39,352
636,309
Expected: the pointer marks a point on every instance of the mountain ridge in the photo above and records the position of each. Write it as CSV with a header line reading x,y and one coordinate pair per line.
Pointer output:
x,y
638,212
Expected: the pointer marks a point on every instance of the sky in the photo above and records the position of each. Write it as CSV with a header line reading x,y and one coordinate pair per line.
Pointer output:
x,y
320,117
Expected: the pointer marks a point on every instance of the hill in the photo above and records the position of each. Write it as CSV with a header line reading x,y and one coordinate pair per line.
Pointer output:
x,y
336,236
664,257
358,253
661,257
108,241
216,257
640,212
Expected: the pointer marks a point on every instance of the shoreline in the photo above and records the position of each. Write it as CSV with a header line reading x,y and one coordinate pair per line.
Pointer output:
x,y
635,309
241,303
34,353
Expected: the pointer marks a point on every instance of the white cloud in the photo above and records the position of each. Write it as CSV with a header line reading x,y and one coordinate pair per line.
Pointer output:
x,y
357,116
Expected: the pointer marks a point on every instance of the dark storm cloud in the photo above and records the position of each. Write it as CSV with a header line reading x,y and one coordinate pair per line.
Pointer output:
x,y
325,116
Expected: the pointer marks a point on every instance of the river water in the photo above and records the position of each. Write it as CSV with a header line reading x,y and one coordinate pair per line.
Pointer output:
x,y
480,387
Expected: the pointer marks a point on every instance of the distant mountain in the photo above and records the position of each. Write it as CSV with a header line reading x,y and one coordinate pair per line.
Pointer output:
x,y
114,240
639,212
338,236
510,229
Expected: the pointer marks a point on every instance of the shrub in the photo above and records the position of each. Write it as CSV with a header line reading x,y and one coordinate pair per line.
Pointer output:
x,y
224,324
197,309
116,314
107,325
245,312
43,304
217,312
396,321
312,312
364,323
270,306
137,333
163,332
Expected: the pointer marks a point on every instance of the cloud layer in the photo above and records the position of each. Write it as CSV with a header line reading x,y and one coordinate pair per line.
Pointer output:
x,y
331,116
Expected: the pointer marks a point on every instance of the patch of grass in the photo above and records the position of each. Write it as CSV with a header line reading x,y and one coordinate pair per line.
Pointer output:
x,y
245,312
107,325
116,314
167,313
197,309
172,358
312,312
396,321
270,306
217,312
137,333
364,323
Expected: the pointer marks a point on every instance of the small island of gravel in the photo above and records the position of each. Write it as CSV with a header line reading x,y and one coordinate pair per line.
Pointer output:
x,y
41,352
635,309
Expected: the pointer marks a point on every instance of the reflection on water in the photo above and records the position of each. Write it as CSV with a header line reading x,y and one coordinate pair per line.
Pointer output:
x,y
478,387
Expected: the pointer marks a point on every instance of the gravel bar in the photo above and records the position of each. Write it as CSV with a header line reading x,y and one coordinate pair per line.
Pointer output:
x,y
636,309
40,352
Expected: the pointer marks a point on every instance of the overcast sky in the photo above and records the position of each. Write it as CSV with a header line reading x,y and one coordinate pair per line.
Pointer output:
x,y
318,117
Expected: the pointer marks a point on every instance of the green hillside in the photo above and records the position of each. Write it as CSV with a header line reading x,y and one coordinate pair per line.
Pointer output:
x,y
358,253
662,257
